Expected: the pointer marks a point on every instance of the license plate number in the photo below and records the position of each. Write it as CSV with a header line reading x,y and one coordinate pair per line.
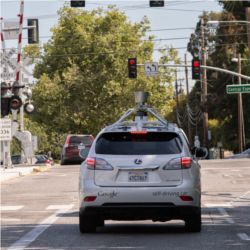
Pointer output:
x,y
138,176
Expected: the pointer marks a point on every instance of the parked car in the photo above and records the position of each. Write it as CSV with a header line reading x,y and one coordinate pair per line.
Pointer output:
x,y
244,154
140,170
70,151
17,159
42,160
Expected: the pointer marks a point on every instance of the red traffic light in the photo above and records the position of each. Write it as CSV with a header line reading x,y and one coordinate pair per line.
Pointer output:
x,y
131,61
196,63
132,67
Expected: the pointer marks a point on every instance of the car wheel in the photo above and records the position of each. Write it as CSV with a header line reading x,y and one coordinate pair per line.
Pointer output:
x,y
193,222
87,223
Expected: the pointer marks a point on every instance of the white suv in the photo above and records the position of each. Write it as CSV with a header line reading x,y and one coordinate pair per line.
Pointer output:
x,y
140,169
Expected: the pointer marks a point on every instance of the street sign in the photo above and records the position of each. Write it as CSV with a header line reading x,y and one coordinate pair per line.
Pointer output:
x,y
242,88
5,129
7,75
11,30
151,69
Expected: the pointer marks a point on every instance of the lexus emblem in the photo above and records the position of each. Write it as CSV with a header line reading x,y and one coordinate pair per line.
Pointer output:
x,y
138,161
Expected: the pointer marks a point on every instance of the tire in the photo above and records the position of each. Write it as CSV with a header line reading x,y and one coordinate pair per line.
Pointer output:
x,y
193,222
87,223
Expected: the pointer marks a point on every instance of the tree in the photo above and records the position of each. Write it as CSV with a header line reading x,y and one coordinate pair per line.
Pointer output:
x,y
226,43
82,75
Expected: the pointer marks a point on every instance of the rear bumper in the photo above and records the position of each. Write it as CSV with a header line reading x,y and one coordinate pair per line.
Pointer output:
x,y
140,211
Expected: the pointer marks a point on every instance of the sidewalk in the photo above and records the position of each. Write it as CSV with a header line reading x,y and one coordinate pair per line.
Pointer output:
x,y
20,170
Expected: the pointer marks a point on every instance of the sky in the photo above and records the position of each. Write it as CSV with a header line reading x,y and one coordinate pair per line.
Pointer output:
x,y
173,23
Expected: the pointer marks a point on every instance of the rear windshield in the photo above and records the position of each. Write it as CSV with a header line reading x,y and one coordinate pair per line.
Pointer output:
x,y
152,143
86,140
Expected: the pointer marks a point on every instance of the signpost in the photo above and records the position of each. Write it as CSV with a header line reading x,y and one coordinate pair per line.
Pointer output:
x,y
151,69
5,129
235,89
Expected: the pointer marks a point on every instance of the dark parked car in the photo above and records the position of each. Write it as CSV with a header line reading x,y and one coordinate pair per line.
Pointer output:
x,y
244,154
70,151
17,159
42,159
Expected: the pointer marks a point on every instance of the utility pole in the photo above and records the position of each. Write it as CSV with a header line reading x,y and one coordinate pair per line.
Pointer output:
x,y
204,84
240,111
177,99
187,89
247,9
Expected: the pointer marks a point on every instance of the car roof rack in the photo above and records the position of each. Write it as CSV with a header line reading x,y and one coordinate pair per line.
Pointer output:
x,y
141,111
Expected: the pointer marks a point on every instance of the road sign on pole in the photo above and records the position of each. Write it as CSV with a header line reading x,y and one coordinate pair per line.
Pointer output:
x,y
5,129
235,89
151,69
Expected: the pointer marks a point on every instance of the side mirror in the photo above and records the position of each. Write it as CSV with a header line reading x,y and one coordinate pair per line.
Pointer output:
x,y
201,152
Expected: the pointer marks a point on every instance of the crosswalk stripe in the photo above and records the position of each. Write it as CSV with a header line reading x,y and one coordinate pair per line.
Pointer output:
x,y
10,208
59,207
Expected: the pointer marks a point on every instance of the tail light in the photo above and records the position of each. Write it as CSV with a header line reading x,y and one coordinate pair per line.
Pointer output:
x,y
67,141
98,164
139,132
186,198
47,161
89,198
178,163
186,162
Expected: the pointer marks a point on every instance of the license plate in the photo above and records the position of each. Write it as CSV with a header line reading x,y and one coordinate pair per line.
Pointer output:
x,y
138,176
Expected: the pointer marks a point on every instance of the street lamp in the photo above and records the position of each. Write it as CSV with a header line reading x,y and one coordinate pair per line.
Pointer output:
x,y
231,21
236,21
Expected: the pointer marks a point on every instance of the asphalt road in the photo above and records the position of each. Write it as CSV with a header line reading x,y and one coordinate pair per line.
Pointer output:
x,y
40,211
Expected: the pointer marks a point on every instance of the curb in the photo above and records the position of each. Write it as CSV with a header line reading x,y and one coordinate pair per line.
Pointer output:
x,y
20,172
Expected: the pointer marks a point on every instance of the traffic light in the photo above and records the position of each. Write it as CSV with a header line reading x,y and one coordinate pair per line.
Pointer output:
x,y
15,102
5,98
33,34
76,4
132,68
196,69
246,3
159,3
5,106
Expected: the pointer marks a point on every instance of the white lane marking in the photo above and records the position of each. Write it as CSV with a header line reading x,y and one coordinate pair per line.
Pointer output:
x,y
243,236
225,215
23,242
240,197
10,208
213,205
202,168
10,219
57,207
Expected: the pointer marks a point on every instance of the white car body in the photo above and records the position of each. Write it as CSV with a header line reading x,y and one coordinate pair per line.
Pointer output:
x,y
120,186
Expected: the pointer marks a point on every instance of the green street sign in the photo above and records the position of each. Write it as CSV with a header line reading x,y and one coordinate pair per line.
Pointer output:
x,y
234,89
